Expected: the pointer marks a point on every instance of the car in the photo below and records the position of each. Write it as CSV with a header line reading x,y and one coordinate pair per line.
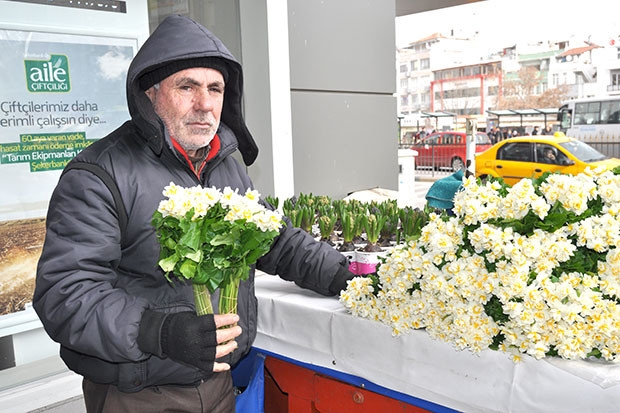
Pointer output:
x,y
447,149
525,157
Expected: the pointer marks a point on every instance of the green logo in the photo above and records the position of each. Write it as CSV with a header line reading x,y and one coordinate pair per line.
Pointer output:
x,y
51,76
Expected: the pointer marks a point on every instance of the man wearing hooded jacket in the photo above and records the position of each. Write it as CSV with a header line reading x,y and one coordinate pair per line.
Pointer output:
x,y
131,334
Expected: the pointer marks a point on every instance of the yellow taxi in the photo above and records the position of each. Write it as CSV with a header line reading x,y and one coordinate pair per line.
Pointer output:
x,y
530,156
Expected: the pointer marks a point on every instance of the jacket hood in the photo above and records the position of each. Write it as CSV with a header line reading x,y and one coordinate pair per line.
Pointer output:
x,y
179,38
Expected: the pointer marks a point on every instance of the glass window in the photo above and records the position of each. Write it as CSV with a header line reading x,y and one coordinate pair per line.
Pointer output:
x,y
517,151
614,112
546,154
587,113
431,140
482,139
447,139
583,151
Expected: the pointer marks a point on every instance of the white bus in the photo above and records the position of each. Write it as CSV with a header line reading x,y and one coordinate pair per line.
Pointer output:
x,y
591,119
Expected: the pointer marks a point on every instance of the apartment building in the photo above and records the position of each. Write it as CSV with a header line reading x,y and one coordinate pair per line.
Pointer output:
x,y
445,75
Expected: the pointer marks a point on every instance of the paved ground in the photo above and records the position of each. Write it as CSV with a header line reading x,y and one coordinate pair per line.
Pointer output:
x,y
421,188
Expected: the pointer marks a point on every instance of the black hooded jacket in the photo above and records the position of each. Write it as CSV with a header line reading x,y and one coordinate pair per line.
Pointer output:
x,y
96,279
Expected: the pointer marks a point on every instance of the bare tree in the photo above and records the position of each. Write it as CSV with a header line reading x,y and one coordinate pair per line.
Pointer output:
x,y
518,93
552,98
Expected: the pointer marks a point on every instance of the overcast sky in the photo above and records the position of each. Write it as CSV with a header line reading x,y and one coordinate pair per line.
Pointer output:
x,y
505,22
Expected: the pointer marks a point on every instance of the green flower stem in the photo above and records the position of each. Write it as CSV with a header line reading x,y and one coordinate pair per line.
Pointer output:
x,y
202,299
228,295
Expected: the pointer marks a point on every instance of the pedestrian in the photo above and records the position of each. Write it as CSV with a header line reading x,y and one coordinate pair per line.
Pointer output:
x,y
506,133
499,135
496,135
133,335
535,131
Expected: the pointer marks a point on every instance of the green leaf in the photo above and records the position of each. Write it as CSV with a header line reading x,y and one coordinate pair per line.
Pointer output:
x,y
494,309
195,256
192,236
188,269
168,264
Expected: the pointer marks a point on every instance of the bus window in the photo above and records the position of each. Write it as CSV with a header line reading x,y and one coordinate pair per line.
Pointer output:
x,y
613,109
587,113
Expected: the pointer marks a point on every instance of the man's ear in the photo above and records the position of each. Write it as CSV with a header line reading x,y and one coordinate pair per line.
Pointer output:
x,y
150,92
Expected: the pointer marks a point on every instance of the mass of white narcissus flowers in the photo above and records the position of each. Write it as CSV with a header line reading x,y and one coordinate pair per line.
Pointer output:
x,y
180,200
437,284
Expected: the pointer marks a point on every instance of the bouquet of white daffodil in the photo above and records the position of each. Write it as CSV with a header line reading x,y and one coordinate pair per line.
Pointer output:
x,y
529,269
212,237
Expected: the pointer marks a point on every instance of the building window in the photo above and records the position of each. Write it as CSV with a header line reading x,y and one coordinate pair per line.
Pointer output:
x,y
403,68
414,65
425,64
425,81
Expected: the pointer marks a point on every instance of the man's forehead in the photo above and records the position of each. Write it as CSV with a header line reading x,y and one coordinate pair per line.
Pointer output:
x,y
197,74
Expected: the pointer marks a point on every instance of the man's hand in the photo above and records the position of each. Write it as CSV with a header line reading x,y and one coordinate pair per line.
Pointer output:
x,y
190,339
225,338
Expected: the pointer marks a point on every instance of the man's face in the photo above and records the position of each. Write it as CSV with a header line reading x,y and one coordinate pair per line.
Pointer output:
x,y
189,102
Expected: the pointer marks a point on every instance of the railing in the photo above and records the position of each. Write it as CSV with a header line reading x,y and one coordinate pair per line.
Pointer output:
x,y
607,147
433,164
613,88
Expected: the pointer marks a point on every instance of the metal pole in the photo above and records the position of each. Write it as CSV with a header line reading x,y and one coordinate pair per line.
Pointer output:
x,y
471,128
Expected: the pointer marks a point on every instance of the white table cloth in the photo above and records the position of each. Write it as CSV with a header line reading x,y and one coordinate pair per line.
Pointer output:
x,y
307,327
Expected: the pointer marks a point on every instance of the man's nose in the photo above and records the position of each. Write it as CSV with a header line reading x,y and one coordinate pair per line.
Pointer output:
x,y
204,102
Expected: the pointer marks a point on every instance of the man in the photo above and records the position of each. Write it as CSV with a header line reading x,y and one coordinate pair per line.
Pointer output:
x,y
549,156
133,335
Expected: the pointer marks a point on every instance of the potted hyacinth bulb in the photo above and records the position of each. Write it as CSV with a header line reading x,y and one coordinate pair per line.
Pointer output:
x,y
347,221
373,225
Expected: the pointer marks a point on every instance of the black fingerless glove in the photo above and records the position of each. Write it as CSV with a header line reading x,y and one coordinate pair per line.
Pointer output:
x,y
184,337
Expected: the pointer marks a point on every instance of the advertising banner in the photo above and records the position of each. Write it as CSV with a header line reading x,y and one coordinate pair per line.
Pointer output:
x,y
58,94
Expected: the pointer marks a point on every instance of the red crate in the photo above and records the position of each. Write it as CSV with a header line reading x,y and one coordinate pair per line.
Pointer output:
x,y
295,389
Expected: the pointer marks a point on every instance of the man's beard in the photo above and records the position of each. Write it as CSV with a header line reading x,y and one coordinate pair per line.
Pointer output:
x,y
193,144
190,144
